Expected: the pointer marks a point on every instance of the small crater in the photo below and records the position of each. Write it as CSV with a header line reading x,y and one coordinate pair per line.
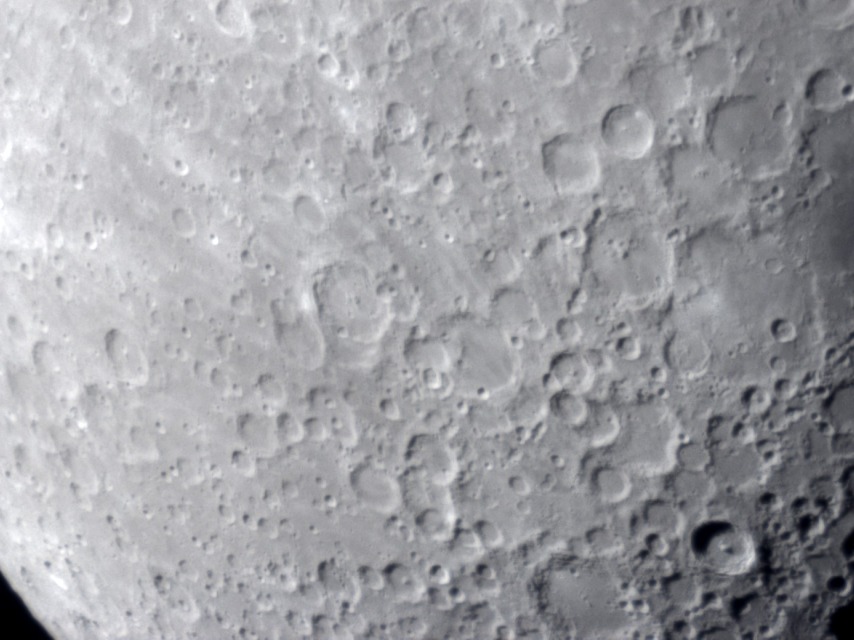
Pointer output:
x,y
723,548
571,165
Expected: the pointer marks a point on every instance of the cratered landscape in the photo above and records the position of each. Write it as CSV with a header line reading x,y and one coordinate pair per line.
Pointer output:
x,y
451,320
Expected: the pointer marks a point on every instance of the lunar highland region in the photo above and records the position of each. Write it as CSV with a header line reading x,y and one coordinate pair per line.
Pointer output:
x,y
378,320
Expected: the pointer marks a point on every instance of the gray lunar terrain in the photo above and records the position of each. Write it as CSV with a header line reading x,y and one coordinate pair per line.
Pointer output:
x,y
464,320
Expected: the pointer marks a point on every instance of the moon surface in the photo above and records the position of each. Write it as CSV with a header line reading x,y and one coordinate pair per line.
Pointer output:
x,y
513,320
